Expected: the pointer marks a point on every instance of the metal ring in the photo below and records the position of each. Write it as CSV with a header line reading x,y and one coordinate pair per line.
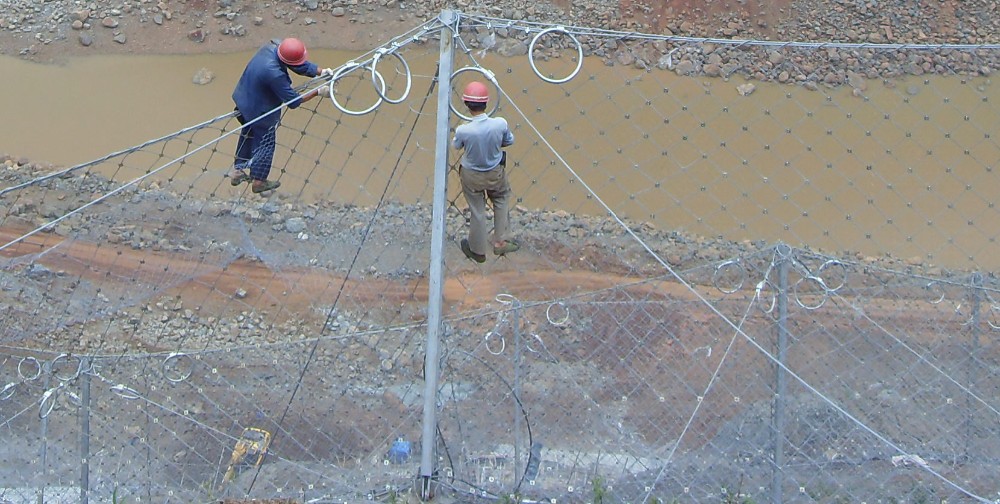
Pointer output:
x,y
818,280
489,76
994,308
38,368
761,286
507,299
783,251
966,320
48,402
503,344
579,52
560,322
931,284
125,392
527,344
75,375
989,320
735,263
409,76
8,391
181,376
350,65
843,279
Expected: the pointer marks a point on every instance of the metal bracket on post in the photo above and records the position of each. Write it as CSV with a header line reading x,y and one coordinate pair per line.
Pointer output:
x,y
436,270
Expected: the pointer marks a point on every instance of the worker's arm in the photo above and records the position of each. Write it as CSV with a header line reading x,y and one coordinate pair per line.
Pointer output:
x,y
508,137
320,91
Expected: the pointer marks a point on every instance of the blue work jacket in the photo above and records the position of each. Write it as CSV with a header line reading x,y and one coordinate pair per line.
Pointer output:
x,y
265,85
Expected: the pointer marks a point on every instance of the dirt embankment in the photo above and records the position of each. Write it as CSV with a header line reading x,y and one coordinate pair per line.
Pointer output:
x,y
47,31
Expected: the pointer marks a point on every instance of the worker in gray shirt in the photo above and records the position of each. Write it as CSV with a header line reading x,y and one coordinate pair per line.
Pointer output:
x,y
483,172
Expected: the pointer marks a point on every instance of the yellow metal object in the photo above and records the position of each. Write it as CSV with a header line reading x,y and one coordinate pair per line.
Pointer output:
x,y
249,451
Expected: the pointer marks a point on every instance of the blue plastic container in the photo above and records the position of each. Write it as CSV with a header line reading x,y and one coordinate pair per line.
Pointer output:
x,y
399,452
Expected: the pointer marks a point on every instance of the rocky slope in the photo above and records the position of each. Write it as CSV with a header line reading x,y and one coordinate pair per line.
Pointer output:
x,y
28,26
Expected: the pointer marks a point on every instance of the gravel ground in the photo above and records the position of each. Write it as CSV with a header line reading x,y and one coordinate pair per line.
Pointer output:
x,y
205,25
50,30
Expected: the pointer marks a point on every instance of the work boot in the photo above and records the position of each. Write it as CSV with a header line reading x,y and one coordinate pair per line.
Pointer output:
x,y
507,247
467,250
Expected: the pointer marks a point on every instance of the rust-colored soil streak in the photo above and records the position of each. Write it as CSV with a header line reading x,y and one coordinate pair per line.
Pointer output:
x,y
213,284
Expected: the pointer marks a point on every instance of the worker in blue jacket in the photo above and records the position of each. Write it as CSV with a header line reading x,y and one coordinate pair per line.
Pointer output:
x,y
264,86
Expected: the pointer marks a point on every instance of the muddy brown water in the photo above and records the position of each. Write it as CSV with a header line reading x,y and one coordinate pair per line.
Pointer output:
x,y
907,169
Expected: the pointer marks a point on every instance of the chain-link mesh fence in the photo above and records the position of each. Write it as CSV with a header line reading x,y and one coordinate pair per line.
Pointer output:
x,y
750,272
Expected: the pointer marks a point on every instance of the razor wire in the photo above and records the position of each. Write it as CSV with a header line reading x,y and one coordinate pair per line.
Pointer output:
x,y
647,337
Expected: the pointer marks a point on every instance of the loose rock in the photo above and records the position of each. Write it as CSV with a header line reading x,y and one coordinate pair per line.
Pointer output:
x,y
197,35
203,76
295,225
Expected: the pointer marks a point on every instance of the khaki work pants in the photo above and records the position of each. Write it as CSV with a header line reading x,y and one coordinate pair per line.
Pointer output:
x,y
477,187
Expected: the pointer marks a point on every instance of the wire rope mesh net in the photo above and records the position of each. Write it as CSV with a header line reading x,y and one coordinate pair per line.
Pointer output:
x,y
654,339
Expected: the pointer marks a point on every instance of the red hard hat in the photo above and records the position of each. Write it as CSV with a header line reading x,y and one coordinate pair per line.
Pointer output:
x,y
292,52
476,92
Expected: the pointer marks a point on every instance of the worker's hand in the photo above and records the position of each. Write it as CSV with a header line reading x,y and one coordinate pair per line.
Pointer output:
x,y
326,72
323,91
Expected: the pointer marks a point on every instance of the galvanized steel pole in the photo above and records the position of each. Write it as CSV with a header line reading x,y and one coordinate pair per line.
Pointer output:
x,y
784,253
84,415
436,279
975,299
47,370
518,434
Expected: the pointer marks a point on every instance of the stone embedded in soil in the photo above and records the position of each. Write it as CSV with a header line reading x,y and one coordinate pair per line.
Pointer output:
x,y
109,22
203,76
295,225
197,35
